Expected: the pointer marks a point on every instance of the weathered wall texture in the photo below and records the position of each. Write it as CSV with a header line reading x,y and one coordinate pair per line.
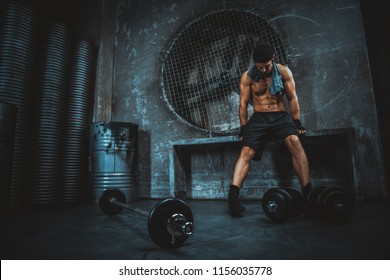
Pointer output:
x,y
326,51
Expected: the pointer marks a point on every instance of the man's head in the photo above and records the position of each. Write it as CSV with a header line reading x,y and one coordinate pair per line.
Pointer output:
x,y
263,53
263,56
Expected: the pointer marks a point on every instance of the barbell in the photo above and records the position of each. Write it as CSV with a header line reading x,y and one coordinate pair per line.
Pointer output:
x,y
170,222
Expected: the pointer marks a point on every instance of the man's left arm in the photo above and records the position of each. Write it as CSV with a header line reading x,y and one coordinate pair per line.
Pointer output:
x,y
289,87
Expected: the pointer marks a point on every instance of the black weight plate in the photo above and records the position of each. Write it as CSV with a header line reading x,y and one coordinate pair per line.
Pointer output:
x,y
158,222
298,202
312,209
105,201
276,204
323,194
337,206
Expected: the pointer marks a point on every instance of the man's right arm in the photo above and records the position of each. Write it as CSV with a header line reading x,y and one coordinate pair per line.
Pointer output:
x,y
245,95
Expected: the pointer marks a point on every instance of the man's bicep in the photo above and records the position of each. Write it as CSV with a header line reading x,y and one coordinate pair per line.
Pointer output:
x,y
289,88
245,90
289,84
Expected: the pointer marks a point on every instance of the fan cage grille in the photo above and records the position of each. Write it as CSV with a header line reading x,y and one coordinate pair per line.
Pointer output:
x,y
202,69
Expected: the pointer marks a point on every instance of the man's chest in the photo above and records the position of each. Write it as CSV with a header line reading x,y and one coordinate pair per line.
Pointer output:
x,y
261,87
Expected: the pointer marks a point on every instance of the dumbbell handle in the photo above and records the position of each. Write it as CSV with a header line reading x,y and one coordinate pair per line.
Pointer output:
x,y
176,225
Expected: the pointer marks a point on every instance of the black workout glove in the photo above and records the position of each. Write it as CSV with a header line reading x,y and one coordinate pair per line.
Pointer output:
x,y
242,129
299,126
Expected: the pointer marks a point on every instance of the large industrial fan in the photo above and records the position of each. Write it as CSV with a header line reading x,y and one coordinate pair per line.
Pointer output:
x,y
203,66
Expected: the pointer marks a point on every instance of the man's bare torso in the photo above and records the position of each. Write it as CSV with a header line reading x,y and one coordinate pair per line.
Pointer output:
x,y
263,100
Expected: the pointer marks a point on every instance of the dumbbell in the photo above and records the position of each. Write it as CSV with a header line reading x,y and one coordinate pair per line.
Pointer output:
x,y
281,204
170,222
333,204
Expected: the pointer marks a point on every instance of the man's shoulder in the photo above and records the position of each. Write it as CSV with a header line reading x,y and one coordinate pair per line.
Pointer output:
x,y
245,76
281,66
284,70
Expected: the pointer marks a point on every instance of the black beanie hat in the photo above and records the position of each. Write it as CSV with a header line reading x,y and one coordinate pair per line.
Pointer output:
x,y
263,53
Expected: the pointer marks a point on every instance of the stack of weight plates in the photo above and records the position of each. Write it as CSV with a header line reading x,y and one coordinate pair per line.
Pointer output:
x,y
49,117
75,169
18,41
8,113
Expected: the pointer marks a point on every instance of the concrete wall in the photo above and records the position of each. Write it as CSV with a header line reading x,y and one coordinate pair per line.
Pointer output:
x,y
326,51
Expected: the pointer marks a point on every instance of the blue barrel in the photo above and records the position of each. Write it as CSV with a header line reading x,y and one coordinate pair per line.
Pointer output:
x,y
7,130
113,159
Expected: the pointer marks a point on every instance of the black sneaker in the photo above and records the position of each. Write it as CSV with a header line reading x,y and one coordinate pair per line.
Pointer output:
x,y
236,209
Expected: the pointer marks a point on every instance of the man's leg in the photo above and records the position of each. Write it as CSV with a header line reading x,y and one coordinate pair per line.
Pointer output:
x,y
240,172
241,168
300,162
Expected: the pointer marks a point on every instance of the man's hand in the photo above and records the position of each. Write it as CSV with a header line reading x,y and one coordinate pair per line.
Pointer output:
x,y
241,133
300,128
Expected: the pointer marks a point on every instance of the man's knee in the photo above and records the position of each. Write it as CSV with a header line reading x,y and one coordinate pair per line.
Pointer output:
x,y
247,153
293,142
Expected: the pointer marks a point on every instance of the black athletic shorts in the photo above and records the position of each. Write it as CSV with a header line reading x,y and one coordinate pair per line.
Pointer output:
x,y
264,126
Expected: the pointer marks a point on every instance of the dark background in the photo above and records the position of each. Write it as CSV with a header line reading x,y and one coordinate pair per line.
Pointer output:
x,y
329,45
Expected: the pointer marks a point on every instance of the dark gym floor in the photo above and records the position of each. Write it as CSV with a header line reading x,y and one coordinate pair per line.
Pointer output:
x,y
84,232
